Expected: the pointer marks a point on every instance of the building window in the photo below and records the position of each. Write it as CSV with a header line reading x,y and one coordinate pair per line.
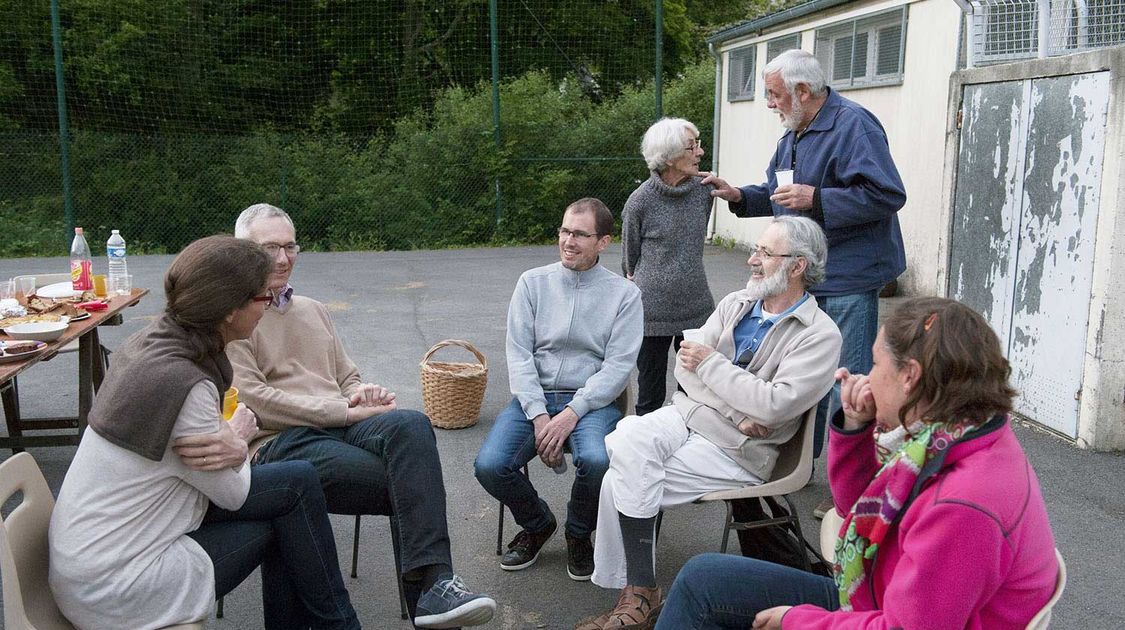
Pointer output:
x,y
864,52
740,79
1008,30
777,46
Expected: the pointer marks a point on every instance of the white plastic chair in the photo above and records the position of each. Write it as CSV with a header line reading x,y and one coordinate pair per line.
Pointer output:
x,y
1043,617
792,471
28,602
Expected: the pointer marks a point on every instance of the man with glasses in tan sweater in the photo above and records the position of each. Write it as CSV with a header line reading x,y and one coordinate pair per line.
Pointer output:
x,y
371,456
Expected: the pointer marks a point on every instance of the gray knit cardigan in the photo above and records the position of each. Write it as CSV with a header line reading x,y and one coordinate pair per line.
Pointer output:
x,y
662,233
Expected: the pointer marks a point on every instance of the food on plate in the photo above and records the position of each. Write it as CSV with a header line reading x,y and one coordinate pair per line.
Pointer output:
x,y
20,347
28,319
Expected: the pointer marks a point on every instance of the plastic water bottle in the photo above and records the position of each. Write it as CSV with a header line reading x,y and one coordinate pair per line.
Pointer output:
x,y
81,266
115,251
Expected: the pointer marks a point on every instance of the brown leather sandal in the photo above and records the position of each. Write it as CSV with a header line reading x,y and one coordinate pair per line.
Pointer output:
x,y
593,623
637,609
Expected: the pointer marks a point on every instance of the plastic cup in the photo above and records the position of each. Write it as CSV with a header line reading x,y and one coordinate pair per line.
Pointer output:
x,y
25,286
694,335
99,285
122,285
230,403
784,178
7,289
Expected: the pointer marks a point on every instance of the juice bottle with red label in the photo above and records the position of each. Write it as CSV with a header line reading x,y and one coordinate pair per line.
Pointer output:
x,y
81,266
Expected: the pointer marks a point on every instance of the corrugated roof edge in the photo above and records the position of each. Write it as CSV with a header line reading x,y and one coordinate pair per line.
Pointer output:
x,y
772,19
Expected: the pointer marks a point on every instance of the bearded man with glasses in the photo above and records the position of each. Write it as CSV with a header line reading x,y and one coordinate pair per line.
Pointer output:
x,y
768,355
574,330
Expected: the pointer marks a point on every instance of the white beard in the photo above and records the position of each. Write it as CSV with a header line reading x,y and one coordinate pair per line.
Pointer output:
x,y
795,116
771,285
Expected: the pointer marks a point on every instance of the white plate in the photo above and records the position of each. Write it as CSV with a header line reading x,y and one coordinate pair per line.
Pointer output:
x,y
57,291
9,358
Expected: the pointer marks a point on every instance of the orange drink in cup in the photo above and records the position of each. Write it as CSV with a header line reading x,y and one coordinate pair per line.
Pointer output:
x,y
99,285
230,403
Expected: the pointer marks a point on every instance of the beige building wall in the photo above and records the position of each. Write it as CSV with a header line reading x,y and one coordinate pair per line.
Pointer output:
x,y
913,113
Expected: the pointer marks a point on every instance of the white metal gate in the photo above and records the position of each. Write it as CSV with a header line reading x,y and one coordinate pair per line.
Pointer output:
x,y
1025,210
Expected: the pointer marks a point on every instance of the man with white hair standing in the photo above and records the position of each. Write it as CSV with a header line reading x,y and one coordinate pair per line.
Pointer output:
x,y
371,456
768,354
834,166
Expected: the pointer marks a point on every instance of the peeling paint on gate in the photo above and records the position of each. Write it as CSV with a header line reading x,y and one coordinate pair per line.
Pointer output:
x,y
1028,180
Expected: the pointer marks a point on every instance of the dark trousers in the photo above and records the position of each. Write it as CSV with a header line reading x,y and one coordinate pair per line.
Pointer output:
x,y
652,368
384,465
283,526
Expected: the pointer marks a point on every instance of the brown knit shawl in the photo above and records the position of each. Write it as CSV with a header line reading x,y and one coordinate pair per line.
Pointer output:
x,y
147,383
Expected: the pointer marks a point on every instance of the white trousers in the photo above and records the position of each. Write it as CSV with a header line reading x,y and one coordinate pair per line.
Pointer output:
x,y
655,463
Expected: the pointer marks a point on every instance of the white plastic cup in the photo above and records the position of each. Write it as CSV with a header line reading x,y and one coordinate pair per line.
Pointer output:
x,y
784,177
694,335
120,285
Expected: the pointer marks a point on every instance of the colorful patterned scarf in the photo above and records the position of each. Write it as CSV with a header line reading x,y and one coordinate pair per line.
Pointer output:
x,y
878,507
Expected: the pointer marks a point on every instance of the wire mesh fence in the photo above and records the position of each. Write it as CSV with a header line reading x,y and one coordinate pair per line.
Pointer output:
x,y
371,122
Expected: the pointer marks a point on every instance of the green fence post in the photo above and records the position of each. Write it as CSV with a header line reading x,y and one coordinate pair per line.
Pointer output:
x,y
659,59
494,36
64,135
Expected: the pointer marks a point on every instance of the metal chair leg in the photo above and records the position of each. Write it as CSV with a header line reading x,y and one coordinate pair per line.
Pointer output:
x,y
355,548
727,525
404,613
795,522
219,609
500,530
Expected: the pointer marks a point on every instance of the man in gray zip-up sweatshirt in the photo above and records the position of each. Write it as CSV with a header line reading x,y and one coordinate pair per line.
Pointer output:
x,y
767,355
574,330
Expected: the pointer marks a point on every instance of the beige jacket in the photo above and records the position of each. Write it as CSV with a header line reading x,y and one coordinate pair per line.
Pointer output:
x,y
791,371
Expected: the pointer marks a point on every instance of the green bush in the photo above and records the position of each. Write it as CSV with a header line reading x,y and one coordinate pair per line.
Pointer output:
x,y
429,183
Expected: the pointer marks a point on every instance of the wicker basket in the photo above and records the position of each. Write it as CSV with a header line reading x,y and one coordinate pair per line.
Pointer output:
x,y
453,392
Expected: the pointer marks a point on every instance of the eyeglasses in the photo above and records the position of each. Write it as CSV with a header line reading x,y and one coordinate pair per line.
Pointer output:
x,y
268,297
765,253
565,232
695,144
291,249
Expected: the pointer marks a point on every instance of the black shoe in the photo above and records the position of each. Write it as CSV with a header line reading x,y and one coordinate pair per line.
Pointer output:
x,y
579,558
523,551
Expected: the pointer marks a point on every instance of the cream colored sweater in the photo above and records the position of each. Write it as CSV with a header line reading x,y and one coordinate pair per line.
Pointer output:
x,y
293,371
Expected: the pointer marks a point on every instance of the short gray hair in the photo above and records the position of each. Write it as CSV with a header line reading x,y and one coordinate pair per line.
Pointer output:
x,y
806,240
797,66
664,140
255,212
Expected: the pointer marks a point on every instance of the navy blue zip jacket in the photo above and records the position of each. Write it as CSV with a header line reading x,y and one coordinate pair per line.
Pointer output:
x,y
844,155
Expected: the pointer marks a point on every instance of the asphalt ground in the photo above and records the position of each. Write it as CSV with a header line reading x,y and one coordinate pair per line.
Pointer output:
x,y
390,307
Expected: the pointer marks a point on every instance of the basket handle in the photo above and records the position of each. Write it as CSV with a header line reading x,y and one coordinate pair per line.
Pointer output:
x,y
455,342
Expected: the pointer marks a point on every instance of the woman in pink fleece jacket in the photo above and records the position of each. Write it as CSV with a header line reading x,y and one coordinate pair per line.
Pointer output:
x,y
945,527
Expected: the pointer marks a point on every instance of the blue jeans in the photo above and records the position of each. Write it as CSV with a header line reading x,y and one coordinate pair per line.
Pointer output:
x,y
722,591
387,464
283,526
511,444
857,317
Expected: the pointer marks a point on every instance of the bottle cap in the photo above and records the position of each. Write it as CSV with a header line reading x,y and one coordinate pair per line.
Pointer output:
x,y
114,231
78,230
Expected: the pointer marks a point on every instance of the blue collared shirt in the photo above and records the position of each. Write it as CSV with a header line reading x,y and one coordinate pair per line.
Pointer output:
x,y
749,333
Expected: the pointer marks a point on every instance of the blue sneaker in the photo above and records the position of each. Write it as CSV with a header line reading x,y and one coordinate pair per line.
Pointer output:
x,y
449,604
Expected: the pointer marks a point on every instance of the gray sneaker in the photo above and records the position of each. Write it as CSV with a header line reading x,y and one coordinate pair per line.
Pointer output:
x,y
449,604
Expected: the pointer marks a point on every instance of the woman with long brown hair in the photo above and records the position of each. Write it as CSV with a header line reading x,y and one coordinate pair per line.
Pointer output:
x,y
944,527
151,526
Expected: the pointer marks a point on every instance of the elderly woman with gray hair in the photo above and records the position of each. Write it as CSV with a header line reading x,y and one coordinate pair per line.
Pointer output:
x,y
663,228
